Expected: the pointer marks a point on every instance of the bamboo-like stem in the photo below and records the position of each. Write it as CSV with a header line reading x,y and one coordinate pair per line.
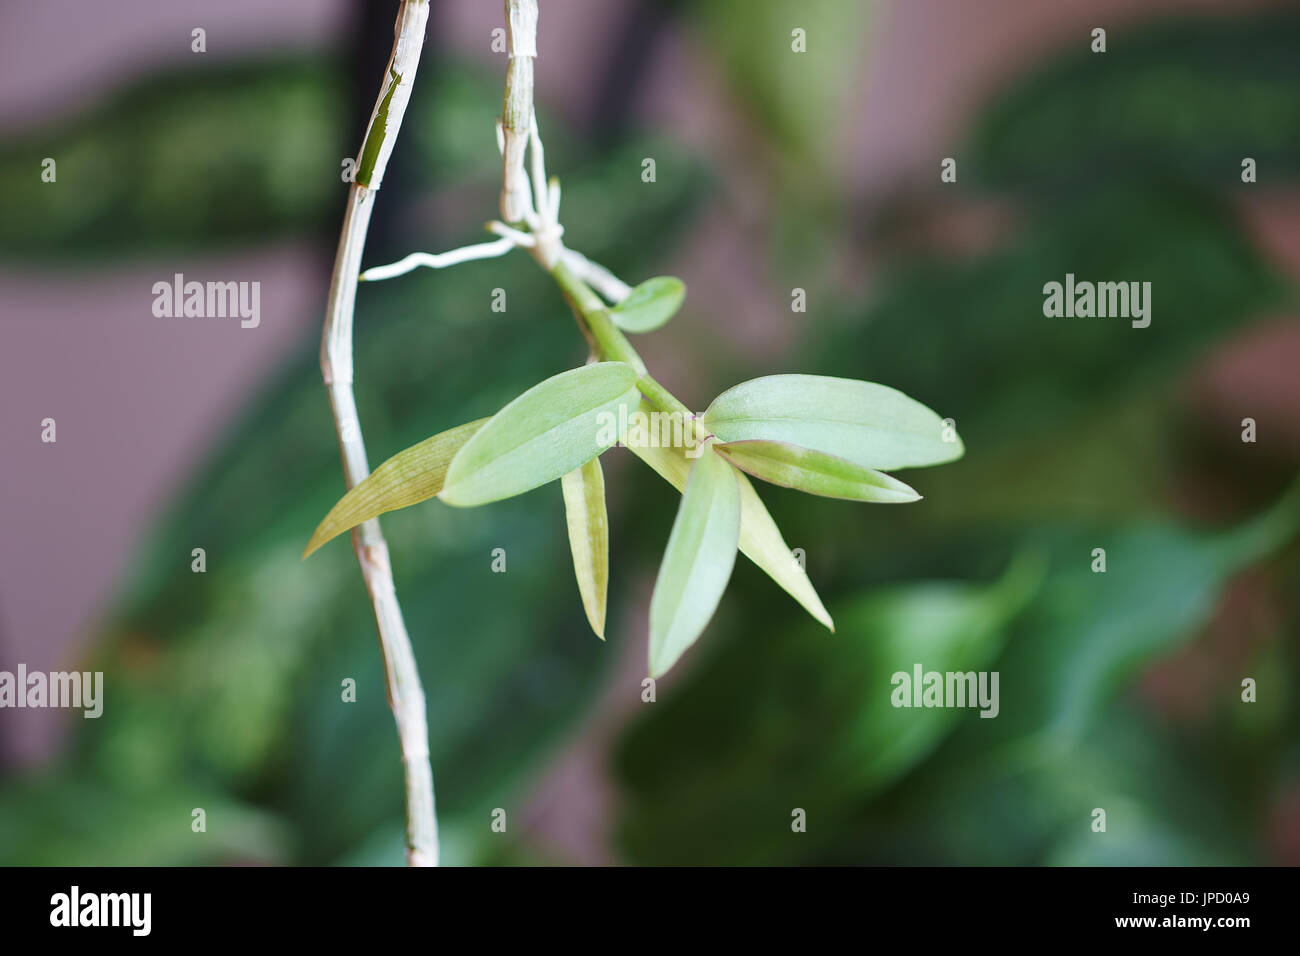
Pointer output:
x,y
402,678
517,108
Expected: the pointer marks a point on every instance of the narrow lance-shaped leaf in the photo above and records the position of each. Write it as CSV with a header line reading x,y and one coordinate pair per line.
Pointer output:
x,y
814,472
760,538
697,562
584,509
650,305
409,477
548,431
872,425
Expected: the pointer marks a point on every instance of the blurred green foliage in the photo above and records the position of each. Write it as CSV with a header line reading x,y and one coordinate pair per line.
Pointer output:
x,y
1117,167
187,157
253,150
788,74
808,722
798,729
1187,99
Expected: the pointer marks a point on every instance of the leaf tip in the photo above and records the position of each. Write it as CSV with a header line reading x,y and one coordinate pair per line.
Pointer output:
x,y
822,616
318,538
450,498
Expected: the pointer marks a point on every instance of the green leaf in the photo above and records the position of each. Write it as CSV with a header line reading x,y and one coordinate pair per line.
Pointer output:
x,y
760,538
409,477
697,562
650,305
814,472
548,431
79,818
1178,115
1096,632
793,100
584,509
872,425
799,714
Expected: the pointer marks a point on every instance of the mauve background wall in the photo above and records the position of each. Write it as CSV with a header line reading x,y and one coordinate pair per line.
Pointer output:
x,y
137,400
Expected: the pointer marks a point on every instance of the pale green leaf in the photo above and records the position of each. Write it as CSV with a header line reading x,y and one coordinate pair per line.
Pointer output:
x,y
584,509
872,425
814,472
760,539
697,562
409,477
548,431
650,305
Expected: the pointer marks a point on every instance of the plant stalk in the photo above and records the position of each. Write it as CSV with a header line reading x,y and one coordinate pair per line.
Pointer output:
x,y
517,106
518,125
610,343
402,678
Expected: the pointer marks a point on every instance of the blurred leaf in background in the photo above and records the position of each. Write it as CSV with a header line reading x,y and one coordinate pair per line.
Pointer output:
x,y
251,151
809,721
808,724
246,151
787,68
1175,99
1074,435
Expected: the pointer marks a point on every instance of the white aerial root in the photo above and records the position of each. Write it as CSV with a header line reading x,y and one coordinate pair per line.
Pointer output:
x,y
549,214
526,192
614,289
520,238
484,250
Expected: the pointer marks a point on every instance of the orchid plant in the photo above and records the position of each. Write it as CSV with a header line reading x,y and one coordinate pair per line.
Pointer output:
x,y
825,436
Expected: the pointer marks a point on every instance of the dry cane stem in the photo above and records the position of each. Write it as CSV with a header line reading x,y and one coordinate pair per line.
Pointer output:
x,y
405,695
517,108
